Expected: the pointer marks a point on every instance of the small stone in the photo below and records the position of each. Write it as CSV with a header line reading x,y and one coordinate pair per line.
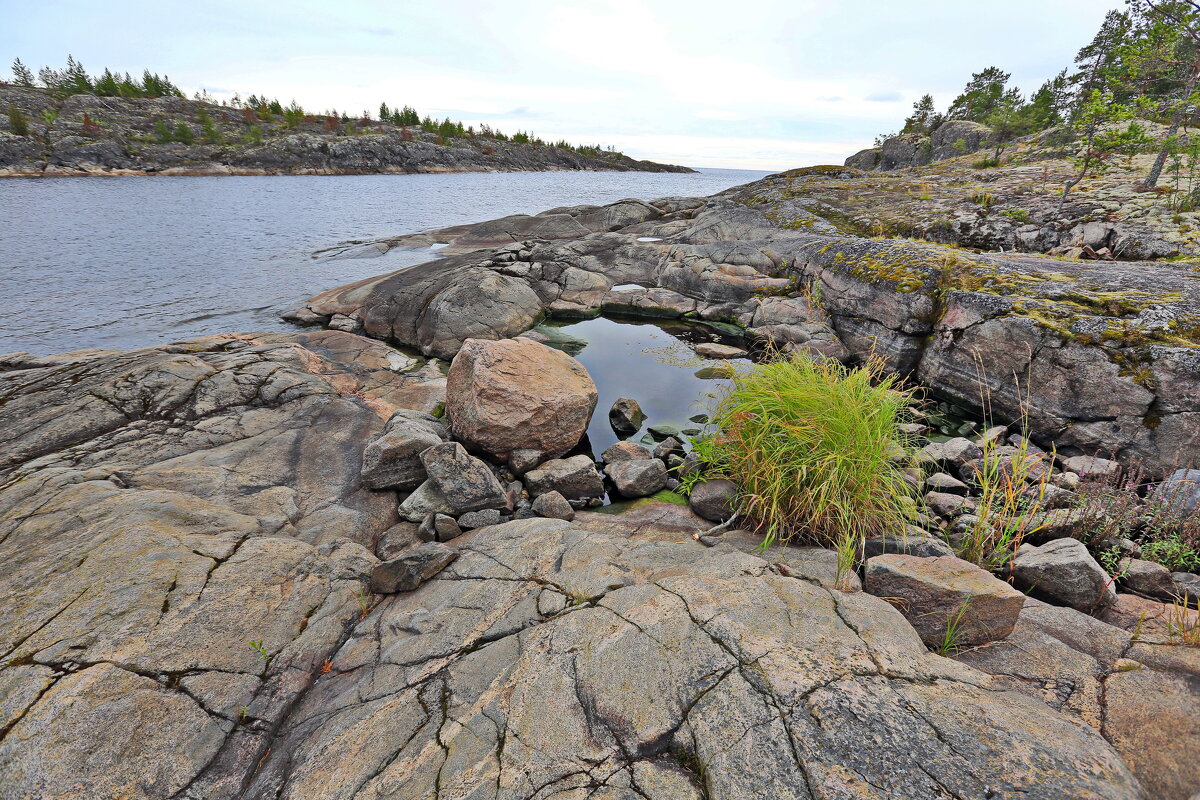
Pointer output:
x,y
626,416
426,532
690,465
715,350
668,447
521,461
446,527
1063,571
392,460
624,451
554,506
715,372
949,505
1065,480
426,499
950,602
466,482
714,500
640,478
480,519
664,430
992,434
1187,585
1181,491
1091,467
395,540
412,568
941,482
575,478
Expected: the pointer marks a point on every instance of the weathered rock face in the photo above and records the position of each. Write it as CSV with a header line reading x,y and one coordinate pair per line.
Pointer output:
x,y
518,394
665,682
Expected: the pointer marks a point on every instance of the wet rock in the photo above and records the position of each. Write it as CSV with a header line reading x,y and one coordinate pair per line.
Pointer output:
x,y
1062,570
715,350
554,506
637,478
1148,578
950,602
624,451
714,500
411,568
665,430
464,481
626,416
518,395
575,478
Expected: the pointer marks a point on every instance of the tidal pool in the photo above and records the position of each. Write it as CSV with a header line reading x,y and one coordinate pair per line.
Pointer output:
x,y
649,361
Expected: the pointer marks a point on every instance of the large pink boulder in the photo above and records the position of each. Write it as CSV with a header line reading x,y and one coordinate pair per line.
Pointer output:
x,y
518,394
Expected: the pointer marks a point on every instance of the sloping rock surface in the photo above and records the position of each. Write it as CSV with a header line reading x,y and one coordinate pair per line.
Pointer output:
x,y
186,613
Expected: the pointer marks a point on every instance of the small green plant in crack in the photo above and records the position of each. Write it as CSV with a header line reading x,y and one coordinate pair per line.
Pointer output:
x,y
243,712
363,604
950,639
257,646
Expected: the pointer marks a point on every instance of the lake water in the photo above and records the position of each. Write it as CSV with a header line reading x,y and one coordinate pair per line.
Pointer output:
x,y
132,261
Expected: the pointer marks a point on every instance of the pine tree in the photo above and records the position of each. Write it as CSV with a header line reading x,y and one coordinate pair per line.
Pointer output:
x,y
983,94
924,119
21,74
385,113
17,124
183,134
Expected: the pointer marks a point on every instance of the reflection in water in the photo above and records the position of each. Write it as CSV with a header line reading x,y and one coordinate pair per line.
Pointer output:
x,y
651,362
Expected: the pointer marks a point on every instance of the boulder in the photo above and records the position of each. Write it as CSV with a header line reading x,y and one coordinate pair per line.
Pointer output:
x,y
949,505
392,460
464,481
667,448
918,545
1180,491
1187,584
1092,467
1147,578
639,478
517,394
1062,570
521,460
626,416
411,568
554,506
575,478
950,602
946,484
714,500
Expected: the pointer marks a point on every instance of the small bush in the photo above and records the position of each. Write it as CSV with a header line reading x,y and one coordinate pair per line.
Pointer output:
x,y
1017,215
17,123
162,133
811,447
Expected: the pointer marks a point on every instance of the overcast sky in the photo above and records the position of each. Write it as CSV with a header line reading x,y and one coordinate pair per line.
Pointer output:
x,y
740,83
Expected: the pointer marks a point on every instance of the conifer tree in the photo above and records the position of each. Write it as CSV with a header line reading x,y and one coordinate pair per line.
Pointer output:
x,y
21,74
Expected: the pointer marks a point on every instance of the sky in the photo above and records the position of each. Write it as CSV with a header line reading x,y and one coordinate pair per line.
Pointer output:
x,y
750,84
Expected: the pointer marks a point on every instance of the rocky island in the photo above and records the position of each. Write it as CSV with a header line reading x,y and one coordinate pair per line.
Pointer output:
x,y
75,125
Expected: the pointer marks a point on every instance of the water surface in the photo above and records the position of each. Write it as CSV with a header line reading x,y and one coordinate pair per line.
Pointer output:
x,y
130,261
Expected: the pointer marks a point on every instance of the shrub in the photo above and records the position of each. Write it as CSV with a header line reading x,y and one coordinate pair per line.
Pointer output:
x,y
162,134
811,446
183,134
17,123
1017,215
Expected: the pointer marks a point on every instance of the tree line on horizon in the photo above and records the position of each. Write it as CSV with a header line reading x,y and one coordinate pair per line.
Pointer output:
x,y
74,79
1142,65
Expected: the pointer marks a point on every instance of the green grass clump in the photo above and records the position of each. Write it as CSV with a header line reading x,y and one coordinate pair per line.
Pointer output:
x,y
812,446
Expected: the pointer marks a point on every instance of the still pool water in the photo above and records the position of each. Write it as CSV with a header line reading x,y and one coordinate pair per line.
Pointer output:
x,y
651,362
131,261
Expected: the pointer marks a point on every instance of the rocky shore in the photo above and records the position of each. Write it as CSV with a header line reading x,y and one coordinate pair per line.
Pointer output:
x,y
85,135
316,564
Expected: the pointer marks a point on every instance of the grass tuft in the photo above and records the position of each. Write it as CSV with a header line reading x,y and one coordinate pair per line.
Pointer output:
x,y
815,451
